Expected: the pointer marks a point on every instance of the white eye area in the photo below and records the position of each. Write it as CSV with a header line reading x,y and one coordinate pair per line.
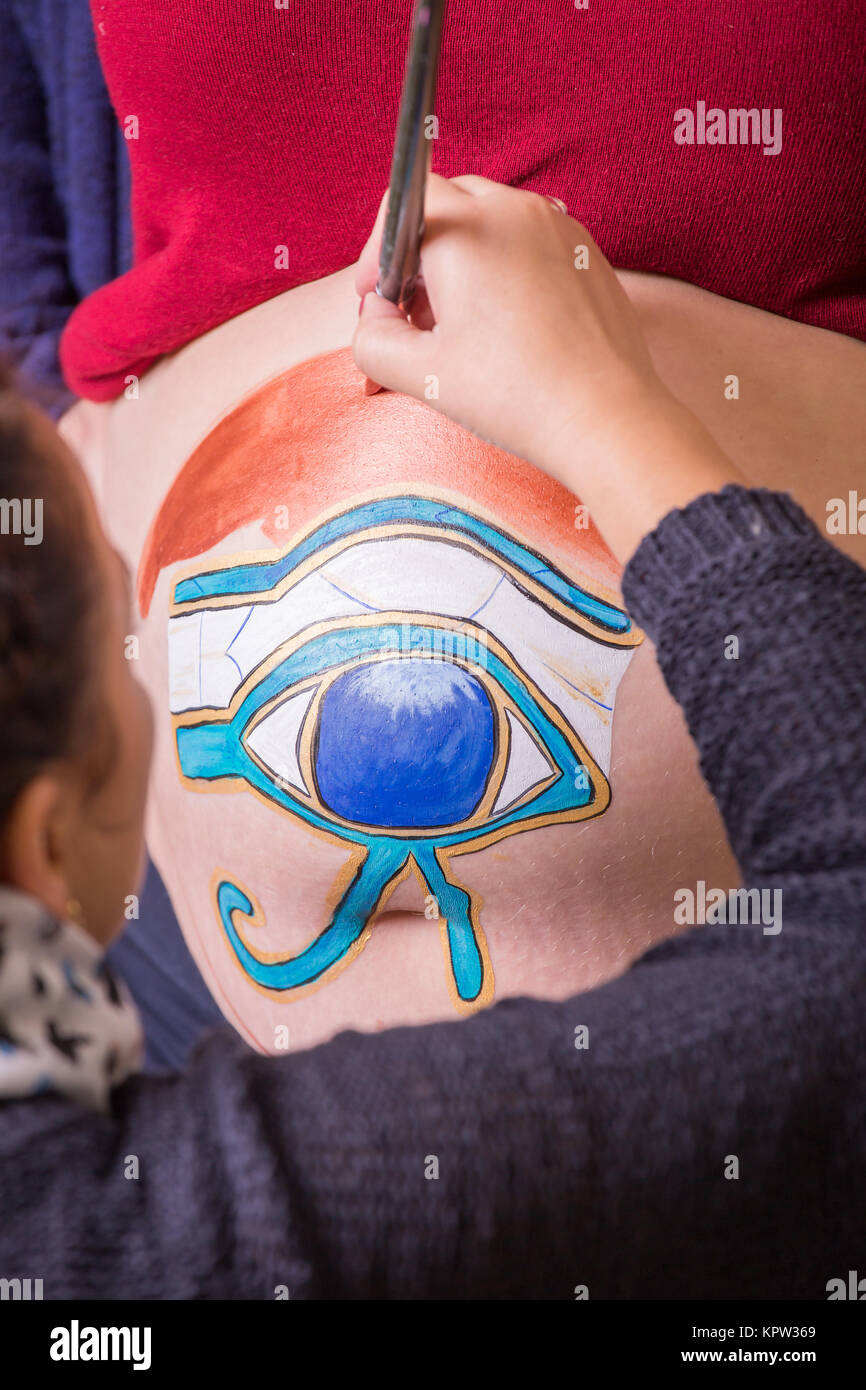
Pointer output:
x,y
275,740
527,767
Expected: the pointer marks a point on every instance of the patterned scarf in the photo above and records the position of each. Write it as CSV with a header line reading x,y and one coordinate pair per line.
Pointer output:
x,y
67,1024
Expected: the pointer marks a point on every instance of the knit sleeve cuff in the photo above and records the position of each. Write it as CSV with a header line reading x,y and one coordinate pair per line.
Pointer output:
x,y
718,529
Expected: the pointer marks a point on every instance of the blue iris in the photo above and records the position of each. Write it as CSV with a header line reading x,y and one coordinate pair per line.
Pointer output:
x,y
406,743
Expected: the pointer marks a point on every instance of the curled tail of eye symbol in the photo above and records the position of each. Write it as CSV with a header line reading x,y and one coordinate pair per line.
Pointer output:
x,y
348,930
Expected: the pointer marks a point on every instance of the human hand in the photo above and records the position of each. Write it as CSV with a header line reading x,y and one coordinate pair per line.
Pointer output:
x,y
520,343
521,331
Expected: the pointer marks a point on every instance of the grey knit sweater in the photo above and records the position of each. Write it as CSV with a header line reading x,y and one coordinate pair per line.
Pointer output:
x,y
558,1167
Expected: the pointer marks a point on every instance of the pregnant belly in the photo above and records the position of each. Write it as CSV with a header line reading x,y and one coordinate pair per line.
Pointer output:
x,y
412,756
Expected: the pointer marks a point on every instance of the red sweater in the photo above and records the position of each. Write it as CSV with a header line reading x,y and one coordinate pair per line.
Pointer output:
x,y
261,137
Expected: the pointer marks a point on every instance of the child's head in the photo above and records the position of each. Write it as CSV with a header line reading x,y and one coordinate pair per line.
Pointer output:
x,y
75,726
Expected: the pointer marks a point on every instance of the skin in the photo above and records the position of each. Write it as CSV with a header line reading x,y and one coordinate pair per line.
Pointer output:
x,y
567,907
79,850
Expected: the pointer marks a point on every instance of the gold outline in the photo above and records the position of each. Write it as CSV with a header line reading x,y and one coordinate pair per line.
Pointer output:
x,y
347,873
192,718
357,854
305,752
258,919
320,557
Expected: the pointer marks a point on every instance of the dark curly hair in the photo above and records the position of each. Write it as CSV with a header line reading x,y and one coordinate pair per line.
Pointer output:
x,y
49,607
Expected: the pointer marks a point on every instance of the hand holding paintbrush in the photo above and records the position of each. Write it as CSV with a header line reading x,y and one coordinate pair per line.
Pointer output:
x,y
539,350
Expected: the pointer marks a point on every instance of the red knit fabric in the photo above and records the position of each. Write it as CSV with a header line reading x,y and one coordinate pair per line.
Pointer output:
x,y
261,127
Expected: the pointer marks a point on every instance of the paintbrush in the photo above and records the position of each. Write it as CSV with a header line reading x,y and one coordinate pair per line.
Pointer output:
x,y
400,252
404,221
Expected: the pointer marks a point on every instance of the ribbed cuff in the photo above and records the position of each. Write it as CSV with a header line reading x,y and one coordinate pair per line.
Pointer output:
x,y
726,525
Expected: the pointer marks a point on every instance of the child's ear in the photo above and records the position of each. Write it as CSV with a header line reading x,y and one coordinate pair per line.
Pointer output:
x,y
35,851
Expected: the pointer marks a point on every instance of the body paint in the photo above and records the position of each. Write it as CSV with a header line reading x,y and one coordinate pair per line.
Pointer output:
x,y
403,671
297,674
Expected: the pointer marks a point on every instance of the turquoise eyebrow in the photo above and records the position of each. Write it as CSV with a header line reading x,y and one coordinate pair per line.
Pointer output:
x,y
263,576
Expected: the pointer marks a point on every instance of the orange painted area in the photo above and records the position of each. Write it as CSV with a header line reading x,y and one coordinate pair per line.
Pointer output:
x,y
311,439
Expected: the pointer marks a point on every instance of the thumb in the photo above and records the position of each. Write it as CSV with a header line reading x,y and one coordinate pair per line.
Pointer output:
x,y
388,348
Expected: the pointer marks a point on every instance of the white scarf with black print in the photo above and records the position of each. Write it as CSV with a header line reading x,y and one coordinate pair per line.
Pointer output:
x,y
67,1024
